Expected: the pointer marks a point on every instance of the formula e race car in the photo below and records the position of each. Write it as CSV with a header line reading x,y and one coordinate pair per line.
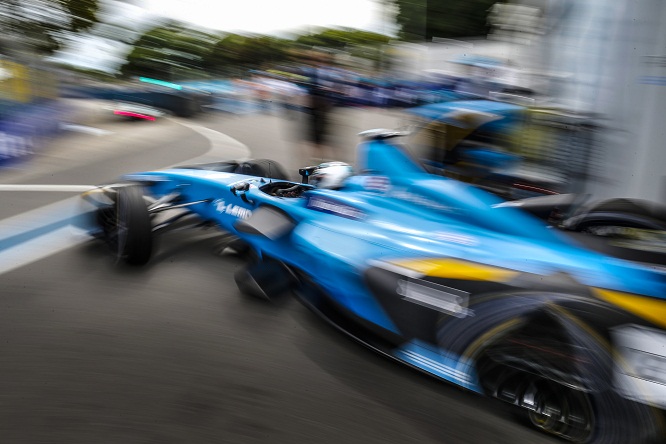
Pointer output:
x,y
512,150
432,272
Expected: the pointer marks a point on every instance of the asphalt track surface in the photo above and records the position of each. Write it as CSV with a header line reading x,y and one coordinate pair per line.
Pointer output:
x,y
94,352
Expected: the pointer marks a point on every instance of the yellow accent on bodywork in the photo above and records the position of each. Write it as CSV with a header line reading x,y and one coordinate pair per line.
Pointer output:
x,y
457,269
504,328
652,309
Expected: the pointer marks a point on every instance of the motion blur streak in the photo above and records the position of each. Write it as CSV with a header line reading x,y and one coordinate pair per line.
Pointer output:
x,y
56,188
136,115
41,247
39,233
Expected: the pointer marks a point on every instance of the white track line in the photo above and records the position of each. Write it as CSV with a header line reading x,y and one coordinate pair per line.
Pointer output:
x,y
220,144
54,188
84,129
61,214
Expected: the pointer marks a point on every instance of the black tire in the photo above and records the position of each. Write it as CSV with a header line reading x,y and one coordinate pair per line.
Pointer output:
x,y
263,168
129,234
570,402
624,228
509,372
630,206
629,213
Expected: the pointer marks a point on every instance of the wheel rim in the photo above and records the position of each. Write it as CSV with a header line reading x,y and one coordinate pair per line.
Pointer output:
x,y
552,407
559,410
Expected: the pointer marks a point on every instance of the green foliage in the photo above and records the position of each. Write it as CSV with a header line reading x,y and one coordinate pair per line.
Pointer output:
x,y
452,19
82,13
411,18
421,20
172,51
235,52
42,26
341,38
168,52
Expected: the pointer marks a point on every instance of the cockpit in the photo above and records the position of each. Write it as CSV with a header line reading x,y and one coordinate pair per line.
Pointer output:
x,y
285,189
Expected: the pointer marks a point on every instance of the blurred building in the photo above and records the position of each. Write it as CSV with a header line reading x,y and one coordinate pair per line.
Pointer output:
x,y
600,64
608,60
29,107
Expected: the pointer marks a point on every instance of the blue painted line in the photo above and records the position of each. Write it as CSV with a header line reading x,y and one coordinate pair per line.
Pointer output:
x,y
17,239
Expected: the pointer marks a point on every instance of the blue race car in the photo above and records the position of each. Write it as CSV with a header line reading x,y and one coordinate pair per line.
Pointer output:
x,y
432,272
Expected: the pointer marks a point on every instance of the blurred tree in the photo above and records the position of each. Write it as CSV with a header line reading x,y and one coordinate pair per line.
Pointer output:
x,y
421,20
354,42
236,52
169,52
42,26
411,19
342,38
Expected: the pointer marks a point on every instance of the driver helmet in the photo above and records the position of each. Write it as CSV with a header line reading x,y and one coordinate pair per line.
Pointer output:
x,y
331,175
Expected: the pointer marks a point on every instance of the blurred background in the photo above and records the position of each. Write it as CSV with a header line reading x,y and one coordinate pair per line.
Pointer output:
x,y
589,76
520,97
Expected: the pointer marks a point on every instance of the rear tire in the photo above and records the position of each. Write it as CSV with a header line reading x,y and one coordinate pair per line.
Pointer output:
x,y
619,213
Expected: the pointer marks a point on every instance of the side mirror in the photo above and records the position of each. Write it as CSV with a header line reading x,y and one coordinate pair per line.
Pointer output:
x,y
306,173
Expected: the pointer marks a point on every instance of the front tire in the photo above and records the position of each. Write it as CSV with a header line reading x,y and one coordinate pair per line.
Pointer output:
x,y
127,228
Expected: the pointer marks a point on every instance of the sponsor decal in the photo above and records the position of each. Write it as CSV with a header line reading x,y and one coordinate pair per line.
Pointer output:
x,y
455,238
331,206
233,210
145,178
377,183
438,297
418,199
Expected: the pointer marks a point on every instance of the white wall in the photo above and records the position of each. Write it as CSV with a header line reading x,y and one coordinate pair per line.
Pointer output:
x,y
607,51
